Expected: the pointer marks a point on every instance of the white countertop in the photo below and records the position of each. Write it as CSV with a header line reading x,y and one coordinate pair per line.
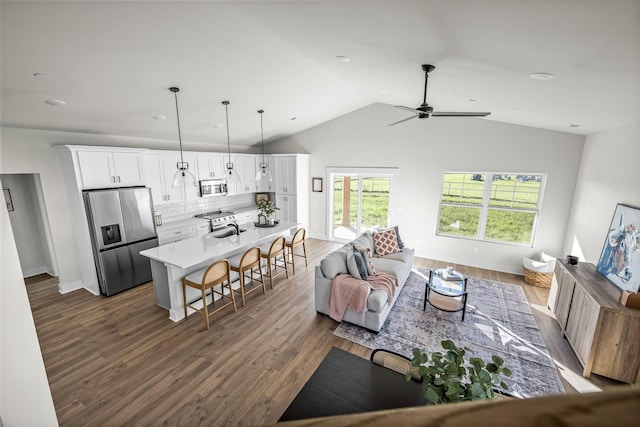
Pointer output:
x,y
191,252
192,220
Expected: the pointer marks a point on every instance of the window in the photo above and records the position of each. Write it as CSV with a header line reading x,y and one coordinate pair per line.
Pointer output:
x,y
490,206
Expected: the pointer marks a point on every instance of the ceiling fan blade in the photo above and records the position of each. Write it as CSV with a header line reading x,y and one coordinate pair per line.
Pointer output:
x,y
458,114
402,107
403,120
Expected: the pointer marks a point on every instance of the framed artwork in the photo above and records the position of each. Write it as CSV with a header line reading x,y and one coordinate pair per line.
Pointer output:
x,y
620,258
262,196
7,199
316,185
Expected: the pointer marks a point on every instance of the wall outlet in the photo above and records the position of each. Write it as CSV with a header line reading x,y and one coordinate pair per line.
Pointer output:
x,y
476,250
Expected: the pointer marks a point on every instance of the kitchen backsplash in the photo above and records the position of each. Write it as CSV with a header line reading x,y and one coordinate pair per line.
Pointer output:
x,y
174,211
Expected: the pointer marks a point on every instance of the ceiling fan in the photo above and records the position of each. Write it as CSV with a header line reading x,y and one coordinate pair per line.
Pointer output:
x,y
424,111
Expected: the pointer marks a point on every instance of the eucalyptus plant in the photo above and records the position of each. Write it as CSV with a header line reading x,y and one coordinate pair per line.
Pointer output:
x,y
266,208
449,378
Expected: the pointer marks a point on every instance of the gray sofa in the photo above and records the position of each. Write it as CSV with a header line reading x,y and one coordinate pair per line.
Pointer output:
x,y
399,264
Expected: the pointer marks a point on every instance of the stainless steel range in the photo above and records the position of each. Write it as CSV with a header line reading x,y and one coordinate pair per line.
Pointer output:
x,y
220,219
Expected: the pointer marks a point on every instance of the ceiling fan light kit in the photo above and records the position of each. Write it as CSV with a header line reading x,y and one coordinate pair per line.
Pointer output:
x,y
424,111
182,175
263,174
230,173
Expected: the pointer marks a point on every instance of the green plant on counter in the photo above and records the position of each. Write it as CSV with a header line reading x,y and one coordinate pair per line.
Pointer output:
x,y
449,378
266,208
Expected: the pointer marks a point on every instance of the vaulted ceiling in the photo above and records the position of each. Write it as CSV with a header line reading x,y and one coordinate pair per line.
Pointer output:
x,y
113,62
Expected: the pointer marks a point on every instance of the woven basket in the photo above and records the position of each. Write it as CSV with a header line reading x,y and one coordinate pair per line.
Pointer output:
x,y
535,278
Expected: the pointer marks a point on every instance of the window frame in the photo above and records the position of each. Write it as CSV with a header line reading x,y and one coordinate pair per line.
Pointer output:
x,y
485,207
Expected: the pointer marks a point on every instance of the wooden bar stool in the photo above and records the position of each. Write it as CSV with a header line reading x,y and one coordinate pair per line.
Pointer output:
x,y
292,243
248,262
216,277
276,259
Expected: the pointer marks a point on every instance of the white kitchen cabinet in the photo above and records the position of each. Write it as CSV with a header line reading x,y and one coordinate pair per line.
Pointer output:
x,y
265,186
288,207
291,175
246,167
103,169
286,174
161,169
247,217
202,227
171,234
210,166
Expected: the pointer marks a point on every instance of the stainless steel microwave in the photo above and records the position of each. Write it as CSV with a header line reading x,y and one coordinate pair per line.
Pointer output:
x,y
213,187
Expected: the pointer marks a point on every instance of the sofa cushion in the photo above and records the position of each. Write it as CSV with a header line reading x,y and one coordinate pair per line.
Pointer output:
x,y
366,253
377,300
389,266
335,263
386,242
356,264
405,255
363,242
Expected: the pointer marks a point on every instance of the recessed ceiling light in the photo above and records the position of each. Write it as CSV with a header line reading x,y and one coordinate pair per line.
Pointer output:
x,y
343,58
290,120
472,100
573,125
38,75
541,76
55,102
159,117
216,125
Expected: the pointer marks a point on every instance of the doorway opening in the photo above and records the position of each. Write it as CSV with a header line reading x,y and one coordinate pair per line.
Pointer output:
x,y
359,200
24,199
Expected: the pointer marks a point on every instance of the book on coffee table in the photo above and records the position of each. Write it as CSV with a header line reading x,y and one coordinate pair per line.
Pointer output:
x,y
450,276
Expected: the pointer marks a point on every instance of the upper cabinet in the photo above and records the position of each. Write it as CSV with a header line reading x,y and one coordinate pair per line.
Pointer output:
x,y
246,167
210,166
161,170
285,174
265,186
103,169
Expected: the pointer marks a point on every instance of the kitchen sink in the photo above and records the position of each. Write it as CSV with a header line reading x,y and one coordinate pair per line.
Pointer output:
x,y
226,233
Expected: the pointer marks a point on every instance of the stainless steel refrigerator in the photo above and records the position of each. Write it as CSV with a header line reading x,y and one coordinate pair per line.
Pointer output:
x,y
121,225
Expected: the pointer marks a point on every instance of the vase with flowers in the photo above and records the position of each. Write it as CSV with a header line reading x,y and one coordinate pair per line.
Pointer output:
x,y
266,211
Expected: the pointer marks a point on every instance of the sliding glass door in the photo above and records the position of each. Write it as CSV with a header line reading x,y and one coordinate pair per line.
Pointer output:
x,y
360,200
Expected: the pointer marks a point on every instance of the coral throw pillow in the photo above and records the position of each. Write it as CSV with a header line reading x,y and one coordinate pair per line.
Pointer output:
x,y
386,242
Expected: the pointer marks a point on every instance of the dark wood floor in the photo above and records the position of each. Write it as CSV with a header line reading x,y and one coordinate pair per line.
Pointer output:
x,y
121,361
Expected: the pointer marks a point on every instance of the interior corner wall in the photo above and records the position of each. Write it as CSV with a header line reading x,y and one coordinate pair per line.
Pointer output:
x,y
27,225
423,150
25,396
608,176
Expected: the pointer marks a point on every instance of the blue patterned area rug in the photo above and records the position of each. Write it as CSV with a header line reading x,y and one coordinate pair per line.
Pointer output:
x,y
498,321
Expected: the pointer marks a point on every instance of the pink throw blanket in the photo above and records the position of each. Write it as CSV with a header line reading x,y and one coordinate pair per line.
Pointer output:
x,y
349,293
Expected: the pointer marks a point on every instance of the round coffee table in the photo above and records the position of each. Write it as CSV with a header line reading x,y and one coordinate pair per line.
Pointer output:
x,y
446,292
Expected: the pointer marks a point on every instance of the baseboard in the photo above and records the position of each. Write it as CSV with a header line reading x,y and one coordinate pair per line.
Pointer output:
x,y
30,272
486,266
67,287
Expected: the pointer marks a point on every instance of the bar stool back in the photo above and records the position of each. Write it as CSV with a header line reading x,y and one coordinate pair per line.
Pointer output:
x,y
248,268
292,243
276,259
216,277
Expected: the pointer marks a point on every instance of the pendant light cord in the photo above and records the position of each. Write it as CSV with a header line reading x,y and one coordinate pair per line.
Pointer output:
x,y
175,94
226,109
262,135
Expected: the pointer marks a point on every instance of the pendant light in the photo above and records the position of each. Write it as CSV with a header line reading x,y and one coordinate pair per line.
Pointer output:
x,y
183,176
231,174
263,174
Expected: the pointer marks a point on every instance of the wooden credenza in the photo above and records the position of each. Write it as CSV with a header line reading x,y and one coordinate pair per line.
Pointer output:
x,y
604,334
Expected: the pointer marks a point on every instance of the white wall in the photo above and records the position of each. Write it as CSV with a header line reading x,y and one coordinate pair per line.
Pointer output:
x,y
27,225
609,174
25,397
423,150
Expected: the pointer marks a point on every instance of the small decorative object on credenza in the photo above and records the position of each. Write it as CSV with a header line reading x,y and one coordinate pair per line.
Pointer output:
x,y
620,258
572,260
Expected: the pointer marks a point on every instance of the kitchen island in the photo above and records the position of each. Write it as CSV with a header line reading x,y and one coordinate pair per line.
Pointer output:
x,y
170,263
